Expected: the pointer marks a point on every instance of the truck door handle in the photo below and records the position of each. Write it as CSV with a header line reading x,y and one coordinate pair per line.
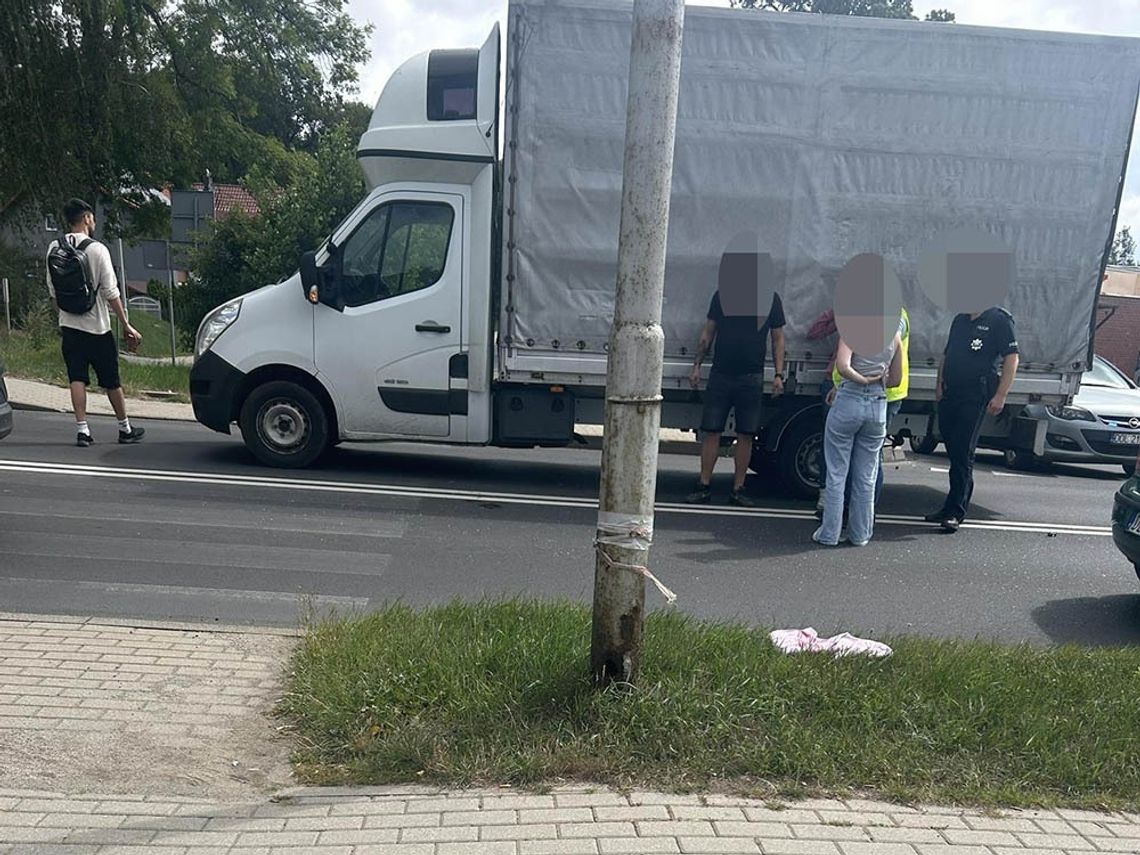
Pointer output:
x,y
432,326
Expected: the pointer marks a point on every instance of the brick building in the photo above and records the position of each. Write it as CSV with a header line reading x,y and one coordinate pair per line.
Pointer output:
x,y
1118,319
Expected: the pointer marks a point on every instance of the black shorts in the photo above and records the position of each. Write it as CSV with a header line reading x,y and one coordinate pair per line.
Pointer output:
x,y
83,350
743,393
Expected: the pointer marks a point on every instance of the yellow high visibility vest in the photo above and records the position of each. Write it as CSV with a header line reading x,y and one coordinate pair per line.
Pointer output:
x,y
895,393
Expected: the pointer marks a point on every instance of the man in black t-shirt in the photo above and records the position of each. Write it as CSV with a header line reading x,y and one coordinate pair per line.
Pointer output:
x,y
735,383
969,386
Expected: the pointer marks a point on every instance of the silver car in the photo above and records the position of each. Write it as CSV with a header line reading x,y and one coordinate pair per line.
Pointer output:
x,y
5,407
1102,425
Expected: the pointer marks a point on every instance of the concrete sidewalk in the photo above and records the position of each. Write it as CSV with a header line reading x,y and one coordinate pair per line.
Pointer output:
x,y
34,395
124,738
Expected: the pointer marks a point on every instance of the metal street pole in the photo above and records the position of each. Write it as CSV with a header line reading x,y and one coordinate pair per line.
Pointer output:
x,y
636,346
123,289
7,306
170,278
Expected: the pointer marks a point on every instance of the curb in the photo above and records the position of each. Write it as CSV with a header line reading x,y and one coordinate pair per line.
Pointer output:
x,y
34,408
141,623
41,408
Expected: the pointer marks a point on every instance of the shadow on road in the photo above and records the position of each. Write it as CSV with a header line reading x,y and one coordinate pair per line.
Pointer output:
x,y
1091,621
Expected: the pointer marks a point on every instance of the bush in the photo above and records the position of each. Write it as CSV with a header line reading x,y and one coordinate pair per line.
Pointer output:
x,y
40,323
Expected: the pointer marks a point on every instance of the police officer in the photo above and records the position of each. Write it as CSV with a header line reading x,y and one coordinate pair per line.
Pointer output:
x,y
969,386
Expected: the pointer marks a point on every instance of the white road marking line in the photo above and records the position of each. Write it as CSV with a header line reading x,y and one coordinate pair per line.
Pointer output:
x,y
103,516
1008,474
538,500
224,593
938,469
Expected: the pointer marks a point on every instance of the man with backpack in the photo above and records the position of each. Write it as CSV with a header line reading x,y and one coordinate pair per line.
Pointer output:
x,y
82,284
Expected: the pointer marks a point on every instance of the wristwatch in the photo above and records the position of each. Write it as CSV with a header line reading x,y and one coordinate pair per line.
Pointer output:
x,y
779,375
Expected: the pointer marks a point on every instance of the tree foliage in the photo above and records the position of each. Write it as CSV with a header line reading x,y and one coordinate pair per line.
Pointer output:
x,y
104,98
241,253
1123,250
903,9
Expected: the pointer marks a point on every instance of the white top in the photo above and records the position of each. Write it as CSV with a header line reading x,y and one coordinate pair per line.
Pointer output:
x,y
98,320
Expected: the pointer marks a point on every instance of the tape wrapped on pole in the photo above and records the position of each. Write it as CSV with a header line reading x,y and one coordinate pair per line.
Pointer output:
x,y
631,533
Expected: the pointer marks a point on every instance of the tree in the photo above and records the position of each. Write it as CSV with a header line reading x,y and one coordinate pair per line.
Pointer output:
x,y
1123,250
240,253
903,9
944,16
106,98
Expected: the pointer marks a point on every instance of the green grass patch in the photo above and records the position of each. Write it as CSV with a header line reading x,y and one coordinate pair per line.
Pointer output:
x,y
501,693
155,336
37,357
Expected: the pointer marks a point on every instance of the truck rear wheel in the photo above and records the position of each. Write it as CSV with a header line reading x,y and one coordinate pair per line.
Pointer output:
x,y
923,444
799,458
284,424
1020,459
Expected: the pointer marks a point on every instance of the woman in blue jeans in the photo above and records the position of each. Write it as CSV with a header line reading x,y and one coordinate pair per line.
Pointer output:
x,y
853,440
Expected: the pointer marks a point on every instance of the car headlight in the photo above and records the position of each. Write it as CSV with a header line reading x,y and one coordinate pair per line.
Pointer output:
x,y
1072,414
214,324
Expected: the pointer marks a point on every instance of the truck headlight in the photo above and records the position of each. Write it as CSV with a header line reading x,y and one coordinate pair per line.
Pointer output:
x,y
214,324
1072,414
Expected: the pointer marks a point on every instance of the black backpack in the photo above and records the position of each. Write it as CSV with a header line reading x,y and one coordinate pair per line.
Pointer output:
x,y
75,288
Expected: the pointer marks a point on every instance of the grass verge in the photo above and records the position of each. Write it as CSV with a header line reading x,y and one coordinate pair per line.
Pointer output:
x,y
500,693
39,358
156,336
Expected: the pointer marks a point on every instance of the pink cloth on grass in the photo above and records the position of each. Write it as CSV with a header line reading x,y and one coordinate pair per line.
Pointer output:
x,y
808,641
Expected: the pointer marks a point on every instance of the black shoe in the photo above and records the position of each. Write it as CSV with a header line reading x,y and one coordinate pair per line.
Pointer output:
x,y
84,439
136,434
951,524
700,496
738,497
937,517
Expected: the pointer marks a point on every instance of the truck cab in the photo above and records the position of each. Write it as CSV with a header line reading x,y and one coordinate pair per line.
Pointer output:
x,y
385,332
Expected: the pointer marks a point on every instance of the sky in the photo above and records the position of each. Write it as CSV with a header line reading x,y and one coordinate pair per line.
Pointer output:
x,y
403,28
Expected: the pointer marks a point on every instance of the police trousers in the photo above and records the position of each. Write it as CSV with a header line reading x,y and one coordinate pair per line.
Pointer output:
x,y
960,423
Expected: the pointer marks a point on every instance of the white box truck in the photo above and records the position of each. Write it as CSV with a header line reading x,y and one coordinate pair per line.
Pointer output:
x,y
467,299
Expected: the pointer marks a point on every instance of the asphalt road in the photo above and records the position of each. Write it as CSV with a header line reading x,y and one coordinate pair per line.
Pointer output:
x,y
187,527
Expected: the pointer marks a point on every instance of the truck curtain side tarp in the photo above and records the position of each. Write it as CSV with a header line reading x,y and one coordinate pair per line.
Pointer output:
x,y
827,137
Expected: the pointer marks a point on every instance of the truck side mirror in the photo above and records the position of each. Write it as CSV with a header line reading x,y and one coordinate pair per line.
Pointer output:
x,y
320,283
310,277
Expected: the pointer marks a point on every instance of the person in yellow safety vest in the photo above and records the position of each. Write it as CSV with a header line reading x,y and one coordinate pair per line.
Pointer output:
x,y
895,394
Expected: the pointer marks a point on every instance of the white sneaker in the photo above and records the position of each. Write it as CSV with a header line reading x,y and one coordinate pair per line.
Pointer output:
x,y
816,537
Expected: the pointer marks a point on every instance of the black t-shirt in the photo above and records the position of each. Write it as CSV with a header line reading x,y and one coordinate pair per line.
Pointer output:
x,y
974,350
742,340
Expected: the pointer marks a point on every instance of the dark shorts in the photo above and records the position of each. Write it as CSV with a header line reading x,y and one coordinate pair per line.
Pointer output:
x,y
82,351
743,393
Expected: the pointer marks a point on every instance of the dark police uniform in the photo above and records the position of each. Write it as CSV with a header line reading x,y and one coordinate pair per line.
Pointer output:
x,y
974,352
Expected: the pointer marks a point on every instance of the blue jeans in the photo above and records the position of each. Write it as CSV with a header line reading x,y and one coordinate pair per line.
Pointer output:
x,y
853,441
893,408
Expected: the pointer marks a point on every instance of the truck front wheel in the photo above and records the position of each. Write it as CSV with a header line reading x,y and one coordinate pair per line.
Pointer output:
x,y
284,424
799,458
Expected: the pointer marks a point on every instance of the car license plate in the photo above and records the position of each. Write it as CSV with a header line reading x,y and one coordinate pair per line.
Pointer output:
x,y
1125,439
1134,523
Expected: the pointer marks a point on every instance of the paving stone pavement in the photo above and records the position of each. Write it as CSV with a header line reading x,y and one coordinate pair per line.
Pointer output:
x,y
116,707
121,738
565,821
